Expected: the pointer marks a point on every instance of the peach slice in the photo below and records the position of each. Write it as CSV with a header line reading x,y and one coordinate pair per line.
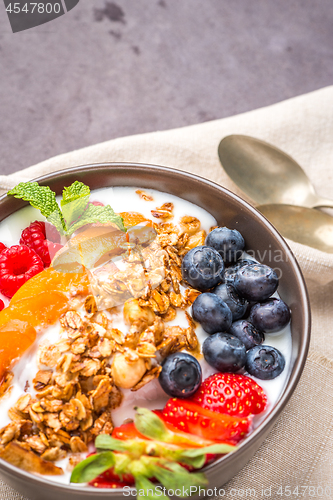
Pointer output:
x,y
98,243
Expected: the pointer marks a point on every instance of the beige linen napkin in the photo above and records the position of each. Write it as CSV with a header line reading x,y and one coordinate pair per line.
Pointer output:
x,y
298,454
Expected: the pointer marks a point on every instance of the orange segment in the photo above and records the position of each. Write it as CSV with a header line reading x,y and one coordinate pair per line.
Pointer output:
x,y
15,338
133,218
50,279
37,304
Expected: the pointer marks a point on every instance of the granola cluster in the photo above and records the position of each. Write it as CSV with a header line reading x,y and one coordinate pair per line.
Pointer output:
x,y
81,376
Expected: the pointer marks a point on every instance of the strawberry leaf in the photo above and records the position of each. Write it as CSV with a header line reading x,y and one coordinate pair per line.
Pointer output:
x,y
174,476
93,466
134,446
147,489
151,426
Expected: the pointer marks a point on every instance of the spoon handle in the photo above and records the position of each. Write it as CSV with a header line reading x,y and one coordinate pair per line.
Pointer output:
x,y
323,202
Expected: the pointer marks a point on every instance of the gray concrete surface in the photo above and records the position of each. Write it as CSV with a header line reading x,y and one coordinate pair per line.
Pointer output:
x,y
113,68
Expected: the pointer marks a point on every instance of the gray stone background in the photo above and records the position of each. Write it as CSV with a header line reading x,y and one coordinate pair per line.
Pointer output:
x,y
108,69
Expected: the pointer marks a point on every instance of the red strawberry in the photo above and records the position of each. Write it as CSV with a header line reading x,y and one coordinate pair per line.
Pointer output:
x,y
2,305
18,264
43,238
231,393
109,479
127,431
191,417
2,246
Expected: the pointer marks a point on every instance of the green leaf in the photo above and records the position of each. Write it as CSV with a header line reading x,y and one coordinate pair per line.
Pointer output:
x,y
176,477
147,489
151,426
197,456
95,214
133,446
42,198
93,466
74,192
74,201
122,461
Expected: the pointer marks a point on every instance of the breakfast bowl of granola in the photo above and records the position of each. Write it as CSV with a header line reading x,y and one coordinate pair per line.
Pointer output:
x,y
153,326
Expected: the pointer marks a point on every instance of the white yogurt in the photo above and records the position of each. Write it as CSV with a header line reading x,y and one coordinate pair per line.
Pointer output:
x,y
124,199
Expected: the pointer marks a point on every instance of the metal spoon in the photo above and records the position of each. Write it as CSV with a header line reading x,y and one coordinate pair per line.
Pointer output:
x,y
267,174
305,225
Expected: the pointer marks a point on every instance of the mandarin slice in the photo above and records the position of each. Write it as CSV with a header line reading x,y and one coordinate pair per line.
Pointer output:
x,y
51,279
42,309
132,218
15,338
18,323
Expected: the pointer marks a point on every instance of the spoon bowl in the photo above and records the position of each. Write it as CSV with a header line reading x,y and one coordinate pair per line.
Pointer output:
x,y
267,174
304,225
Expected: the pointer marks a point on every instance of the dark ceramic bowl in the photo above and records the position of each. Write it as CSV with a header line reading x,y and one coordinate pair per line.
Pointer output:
x,y
259,234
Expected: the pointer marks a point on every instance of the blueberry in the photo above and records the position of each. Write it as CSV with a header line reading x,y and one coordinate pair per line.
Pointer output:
x,y
213,314
181,375
203,268
256,282
224,352
270,316
264,362
236,304
247,333
230,272
228,242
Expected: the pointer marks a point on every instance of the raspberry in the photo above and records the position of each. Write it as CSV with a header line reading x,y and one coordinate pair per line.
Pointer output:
x,y
97,203
43,238
2,305
2,246
18,264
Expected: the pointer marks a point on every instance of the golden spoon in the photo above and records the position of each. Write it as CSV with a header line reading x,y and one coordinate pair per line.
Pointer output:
x,y
267,174
305,225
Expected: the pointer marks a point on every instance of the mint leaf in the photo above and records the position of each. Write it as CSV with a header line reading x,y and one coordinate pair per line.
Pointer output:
x,y
74,192
42,198
93,466
74,201
95,214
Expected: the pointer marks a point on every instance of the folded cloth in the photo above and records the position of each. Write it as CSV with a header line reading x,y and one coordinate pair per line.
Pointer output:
x,y
298,454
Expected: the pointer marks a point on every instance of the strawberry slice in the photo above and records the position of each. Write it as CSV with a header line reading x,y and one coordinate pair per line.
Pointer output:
x,y
181,439
127,431
192,418
109,479
231,393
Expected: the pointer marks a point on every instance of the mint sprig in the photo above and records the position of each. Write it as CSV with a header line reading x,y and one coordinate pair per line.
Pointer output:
x,y
74,202
42,198
75,212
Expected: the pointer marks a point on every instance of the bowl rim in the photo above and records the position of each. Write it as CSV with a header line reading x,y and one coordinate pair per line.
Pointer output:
x,y
299,363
